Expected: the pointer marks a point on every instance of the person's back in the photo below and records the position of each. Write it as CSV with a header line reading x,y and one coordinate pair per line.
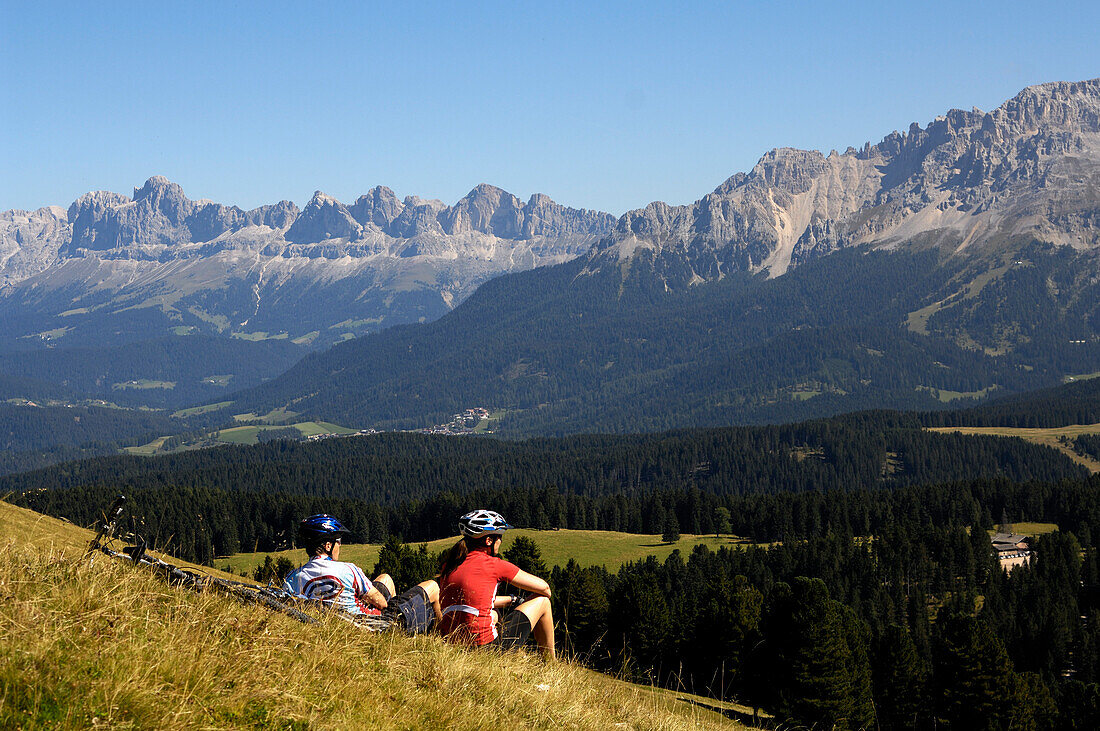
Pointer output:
x,y
468,593
343,585
339,583
468,580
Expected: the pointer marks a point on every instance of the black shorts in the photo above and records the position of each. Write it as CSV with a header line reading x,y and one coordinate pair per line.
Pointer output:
x,y
514,631
410,609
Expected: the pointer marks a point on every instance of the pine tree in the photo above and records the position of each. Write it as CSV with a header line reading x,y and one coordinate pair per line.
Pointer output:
x,y
816,670
525,553
721,521
971,672
672,528
900,678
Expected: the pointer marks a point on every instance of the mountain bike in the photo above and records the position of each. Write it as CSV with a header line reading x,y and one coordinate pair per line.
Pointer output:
x,y
135,551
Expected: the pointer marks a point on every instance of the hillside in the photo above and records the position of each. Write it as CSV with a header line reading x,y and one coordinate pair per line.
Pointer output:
x,y
76,654
1075,402
166,372
579,353
36,434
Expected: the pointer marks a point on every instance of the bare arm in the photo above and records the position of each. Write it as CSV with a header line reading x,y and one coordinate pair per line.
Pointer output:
x,y
375,598
531,583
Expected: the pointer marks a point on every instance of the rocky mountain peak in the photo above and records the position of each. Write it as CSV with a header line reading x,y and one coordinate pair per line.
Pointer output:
x,y
487,209
789,169
379,206
969,181
323,218
1059,105
159,186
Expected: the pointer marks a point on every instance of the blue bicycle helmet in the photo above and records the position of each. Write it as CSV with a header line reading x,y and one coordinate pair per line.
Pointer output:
x,y
482,522
319,528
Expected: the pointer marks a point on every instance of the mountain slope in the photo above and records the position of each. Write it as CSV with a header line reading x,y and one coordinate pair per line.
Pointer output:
x,y
963,260
571,355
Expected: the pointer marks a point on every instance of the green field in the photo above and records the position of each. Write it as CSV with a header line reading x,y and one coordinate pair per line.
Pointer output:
x,y
143,384
1030,529
239,435
221,322
260,335
306,339
946,397
50,334
1080,377
182,329
355,323
147,450
275,416
250,434
219,380
196,410
588,547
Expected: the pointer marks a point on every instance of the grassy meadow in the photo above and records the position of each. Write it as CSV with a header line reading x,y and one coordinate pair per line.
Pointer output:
x,y
106,645
588,547
1029,529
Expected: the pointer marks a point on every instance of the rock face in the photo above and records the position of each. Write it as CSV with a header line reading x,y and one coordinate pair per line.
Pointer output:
x,y
325,272
160,214
30,242
971,182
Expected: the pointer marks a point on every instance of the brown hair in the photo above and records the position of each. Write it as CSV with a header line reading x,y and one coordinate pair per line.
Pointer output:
x,y
454,556
457,553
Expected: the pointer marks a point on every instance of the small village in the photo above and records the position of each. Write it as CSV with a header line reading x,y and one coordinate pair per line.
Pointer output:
x,y
461,424
470,421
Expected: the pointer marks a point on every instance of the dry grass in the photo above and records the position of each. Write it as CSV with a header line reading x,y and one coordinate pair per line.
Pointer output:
x,y
60,536
106,645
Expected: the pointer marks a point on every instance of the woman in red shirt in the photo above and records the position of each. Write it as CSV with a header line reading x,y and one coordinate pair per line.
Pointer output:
x,y
468,581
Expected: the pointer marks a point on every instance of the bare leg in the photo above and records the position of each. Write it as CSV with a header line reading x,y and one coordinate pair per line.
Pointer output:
x,y
431,589
387,580
538,612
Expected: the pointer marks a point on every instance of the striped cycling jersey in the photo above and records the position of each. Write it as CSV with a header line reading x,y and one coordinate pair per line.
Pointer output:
x,y
333,582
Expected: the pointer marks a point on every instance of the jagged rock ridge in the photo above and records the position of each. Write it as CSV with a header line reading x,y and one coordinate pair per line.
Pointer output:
x,y
383,261
969,181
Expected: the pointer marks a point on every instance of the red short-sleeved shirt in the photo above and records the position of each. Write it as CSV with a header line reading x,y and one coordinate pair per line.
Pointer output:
x,y
466,596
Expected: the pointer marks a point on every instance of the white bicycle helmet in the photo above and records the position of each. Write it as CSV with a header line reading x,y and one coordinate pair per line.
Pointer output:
x,y
482,522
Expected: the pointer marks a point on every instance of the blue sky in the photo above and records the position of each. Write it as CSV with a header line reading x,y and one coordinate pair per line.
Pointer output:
x,y
599,105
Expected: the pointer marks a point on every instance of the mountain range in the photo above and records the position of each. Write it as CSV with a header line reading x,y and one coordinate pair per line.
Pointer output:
x,y
951,261
113,268
955,260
